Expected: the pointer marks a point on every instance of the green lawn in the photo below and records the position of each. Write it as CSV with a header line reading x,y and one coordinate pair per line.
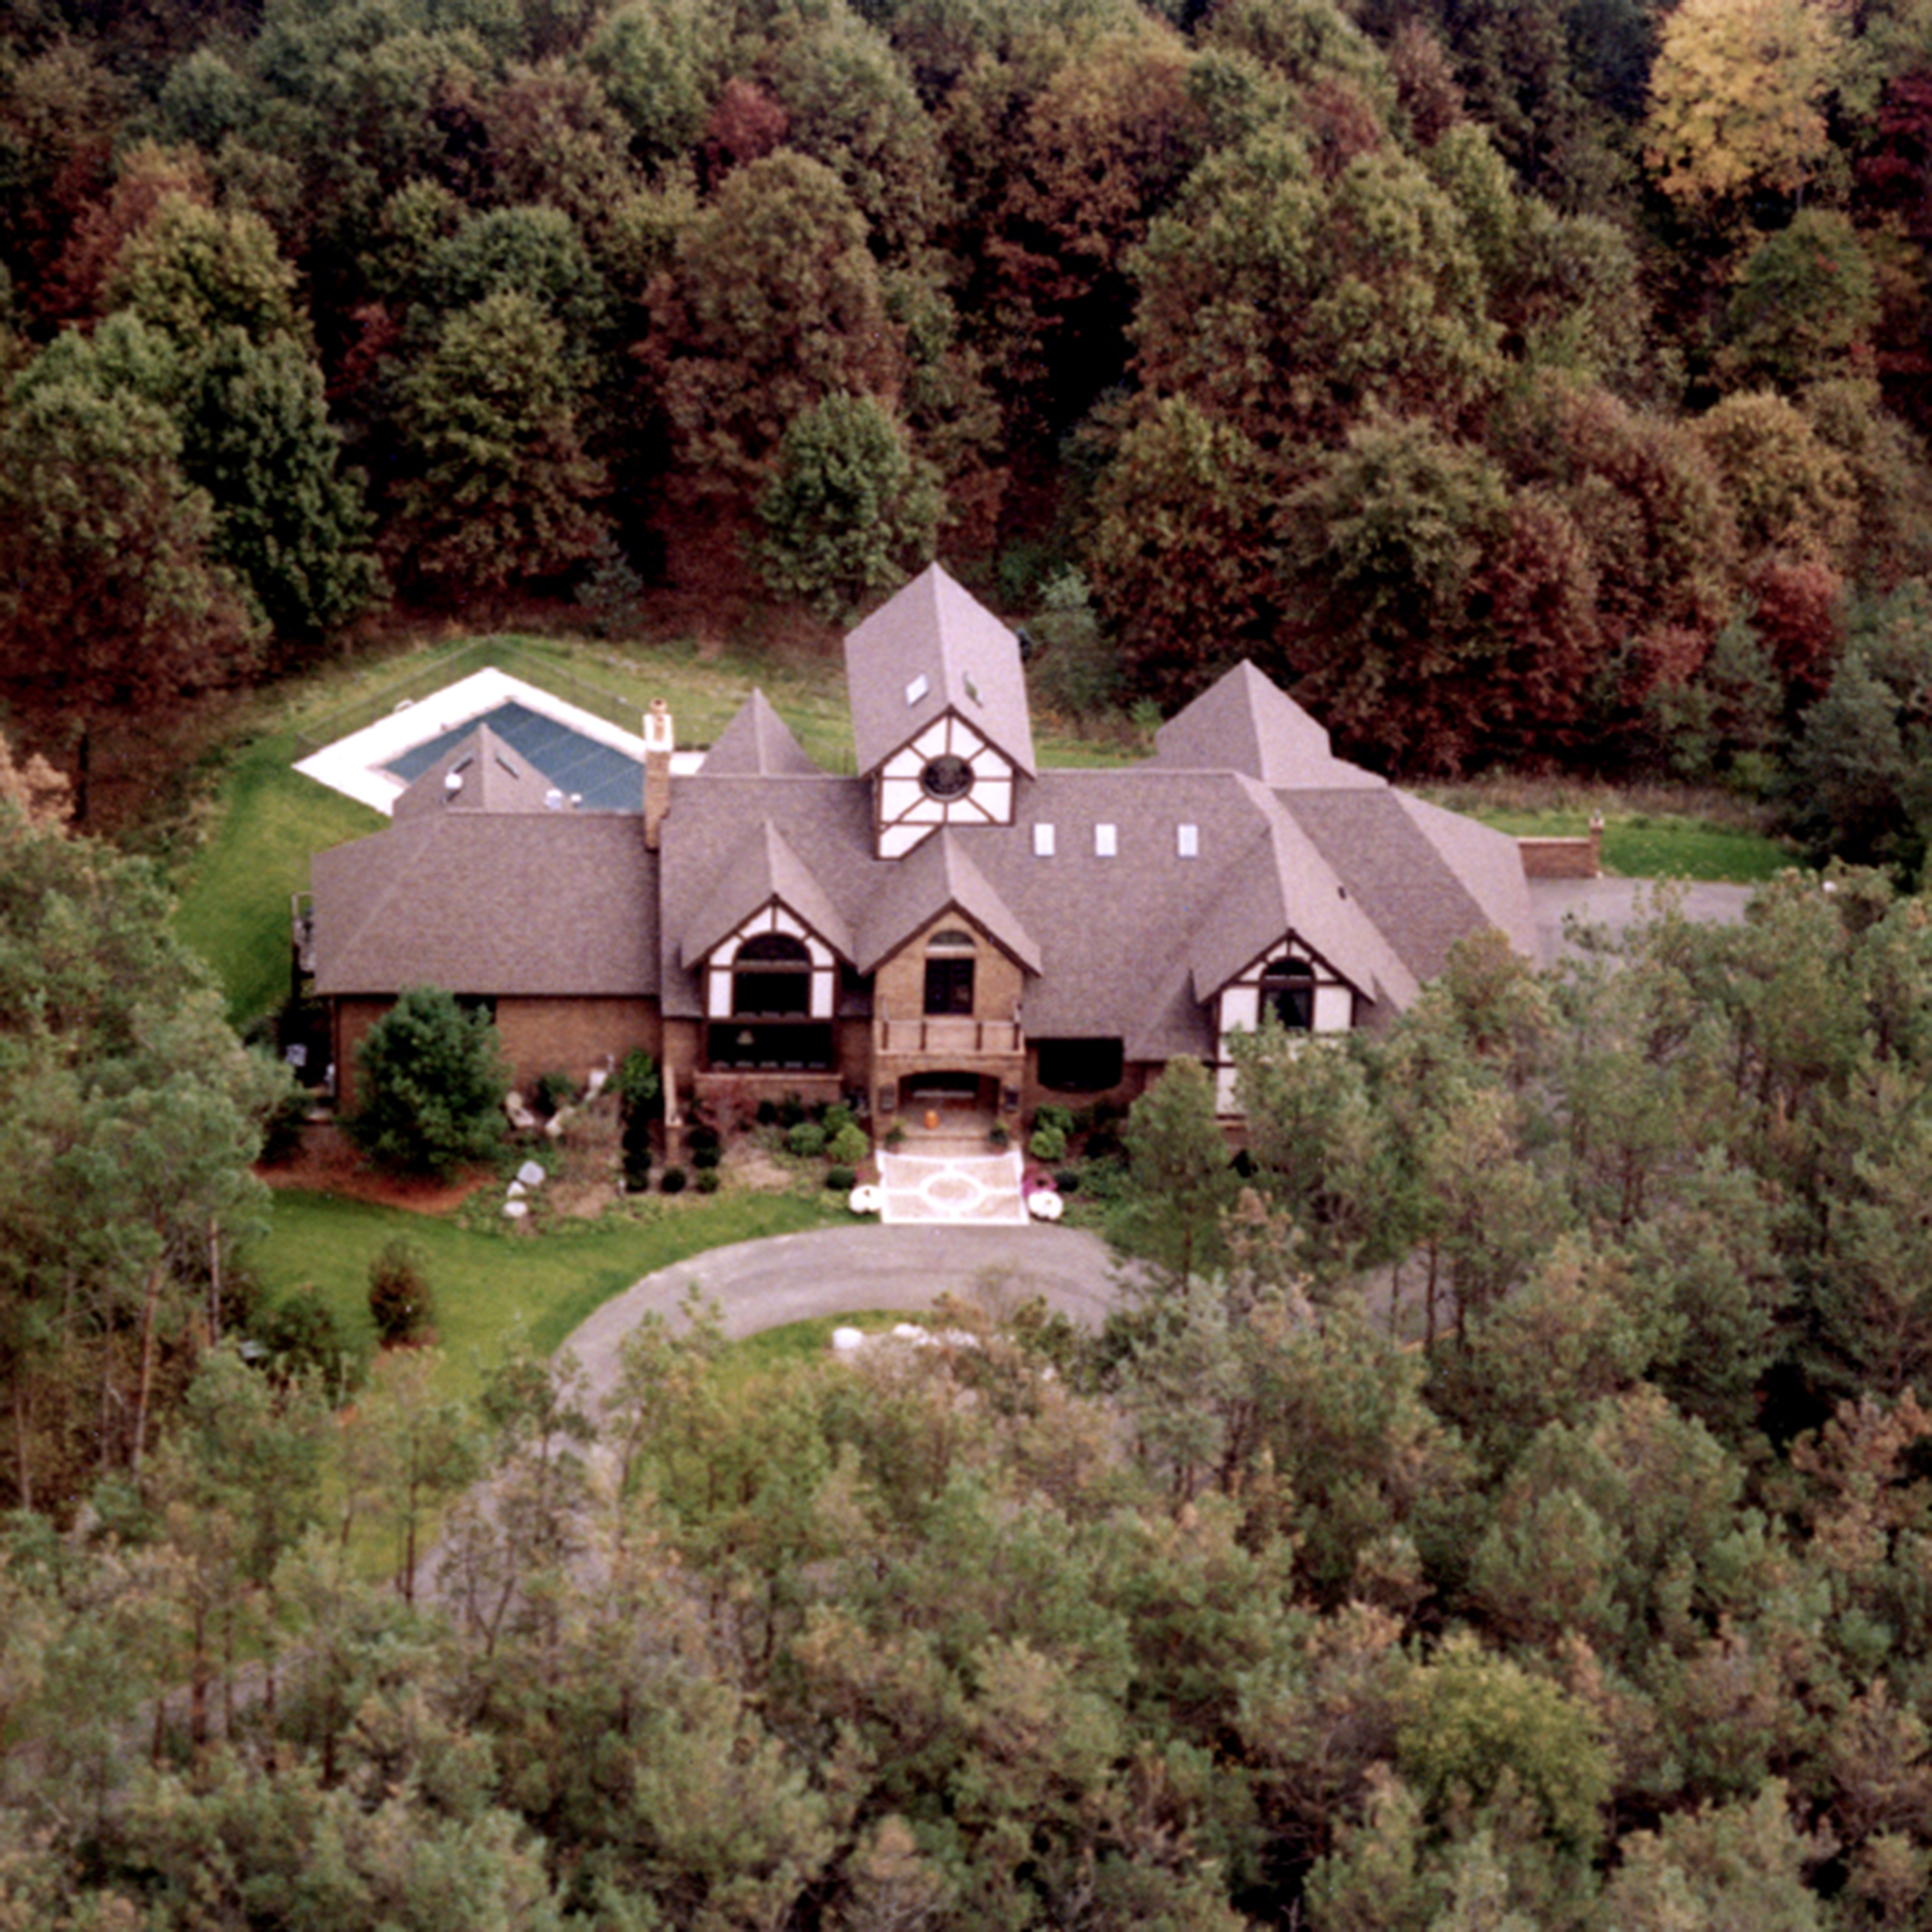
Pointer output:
x,y
234,902
491,1288
1651,845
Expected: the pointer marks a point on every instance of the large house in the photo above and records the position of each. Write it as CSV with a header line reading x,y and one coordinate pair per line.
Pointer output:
x,y
954,922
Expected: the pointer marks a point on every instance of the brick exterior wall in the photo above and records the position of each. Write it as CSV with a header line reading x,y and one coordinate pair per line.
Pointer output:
x,y
537,1036
899,985
1565,857
574,1036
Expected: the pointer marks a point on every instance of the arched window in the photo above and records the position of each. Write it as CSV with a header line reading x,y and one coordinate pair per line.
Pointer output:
x,y
771,973
949,963
1288,992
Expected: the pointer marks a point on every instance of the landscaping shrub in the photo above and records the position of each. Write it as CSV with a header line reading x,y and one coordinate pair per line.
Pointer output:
x,y
998,1135
639,1086
671,1181
1048,1144
1068,1181
707,1180
430,1082
791,1111
1050,1114
703,1138
766,1115
636,1153
807,1140
553,1090
300,1336
400,1301
705,1157
841,1180
837,1118
849,1146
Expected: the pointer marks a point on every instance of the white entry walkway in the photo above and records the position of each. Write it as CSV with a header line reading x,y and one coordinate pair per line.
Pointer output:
x,y
980,1189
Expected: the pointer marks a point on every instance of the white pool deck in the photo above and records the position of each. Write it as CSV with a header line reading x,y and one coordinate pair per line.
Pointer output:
x,y
354,766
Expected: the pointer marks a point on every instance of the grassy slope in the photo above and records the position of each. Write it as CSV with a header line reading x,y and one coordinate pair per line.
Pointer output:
x,y
234,904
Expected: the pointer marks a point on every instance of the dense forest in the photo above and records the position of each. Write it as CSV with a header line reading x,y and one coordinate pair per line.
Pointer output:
x,y
1540,382
1592,1594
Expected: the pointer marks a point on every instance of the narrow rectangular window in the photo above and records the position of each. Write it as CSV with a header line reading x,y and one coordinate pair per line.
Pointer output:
x,y
1104,841
1042,841
1187,841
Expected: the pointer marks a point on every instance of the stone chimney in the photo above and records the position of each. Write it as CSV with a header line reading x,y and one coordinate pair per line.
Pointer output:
x,y
656,770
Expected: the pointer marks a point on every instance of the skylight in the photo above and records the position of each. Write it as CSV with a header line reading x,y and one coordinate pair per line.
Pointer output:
x,y
916,689
1187,840
1104,842
1043,841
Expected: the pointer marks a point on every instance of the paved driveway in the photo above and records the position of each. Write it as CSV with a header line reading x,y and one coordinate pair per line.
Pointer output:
x,y
840,1270
1619,904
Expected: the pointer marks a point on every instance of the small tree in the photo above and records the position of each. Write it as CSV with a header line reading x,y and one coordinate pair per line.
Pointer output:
x,y
400,1301
432,1083
1181,1180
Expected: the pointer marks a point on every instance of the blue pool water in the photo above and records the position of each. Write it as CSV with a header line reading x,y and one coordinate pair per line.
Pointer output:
x,y
606,780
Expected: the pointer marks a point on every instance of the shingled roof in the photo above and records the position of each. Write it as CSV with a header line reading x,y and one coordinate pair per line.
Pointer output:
x,y
1130,897
758,743
1244,723
940,877
513,903
762,871
934,648
480,773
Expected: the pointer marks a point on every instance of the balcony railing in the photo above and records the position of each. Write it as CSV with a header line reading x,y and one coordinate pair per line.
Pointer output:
x,y
956,1039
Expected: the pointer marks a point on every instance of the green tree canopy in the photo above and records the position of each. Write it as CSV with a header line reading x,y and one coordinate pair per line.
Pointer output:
x,y
430,1085
850,509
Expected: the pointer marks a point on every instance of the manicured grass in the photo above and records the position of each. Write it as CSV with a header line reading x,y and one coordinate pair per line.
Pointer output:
x,y
1651,845
801,1342
234,904
494,1288
1647,847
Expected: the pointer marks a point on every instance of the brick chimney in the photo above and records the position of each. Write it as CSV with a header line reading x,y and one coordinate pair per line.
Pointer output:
x,y
656,770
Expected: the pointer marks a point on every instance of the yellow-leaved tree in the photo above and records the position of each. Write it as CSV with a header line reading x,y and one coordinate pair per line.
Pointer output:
x,y
1738,95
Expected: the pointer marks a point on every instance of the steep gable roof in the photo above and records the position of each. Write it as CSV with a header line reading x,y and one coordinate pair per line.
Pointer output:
x,y
1285,884
1242,723
764,868
480,773
758,743
931,649
939,877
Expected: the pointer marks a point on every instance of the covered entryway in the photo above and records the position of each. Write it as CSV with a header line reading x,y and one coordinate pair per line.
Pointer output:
x,y
951,1105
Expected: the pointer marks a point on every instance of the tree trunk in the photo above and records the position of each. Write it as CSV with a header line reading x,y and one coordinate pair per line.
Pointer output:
x,y
150,1311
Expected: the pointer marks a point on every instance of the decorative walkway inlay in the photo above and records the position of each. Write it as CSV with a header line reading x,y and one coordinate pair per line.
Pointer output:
x,y
982,1189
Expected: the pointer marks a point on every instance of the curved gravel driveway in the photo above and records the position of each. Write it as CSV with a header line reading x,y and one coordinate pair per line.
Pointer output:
x,y
840,1270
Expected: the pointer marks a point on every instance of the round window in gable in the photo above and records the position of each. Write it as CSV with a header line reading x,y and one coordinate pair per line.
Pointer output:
x,y
947,776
